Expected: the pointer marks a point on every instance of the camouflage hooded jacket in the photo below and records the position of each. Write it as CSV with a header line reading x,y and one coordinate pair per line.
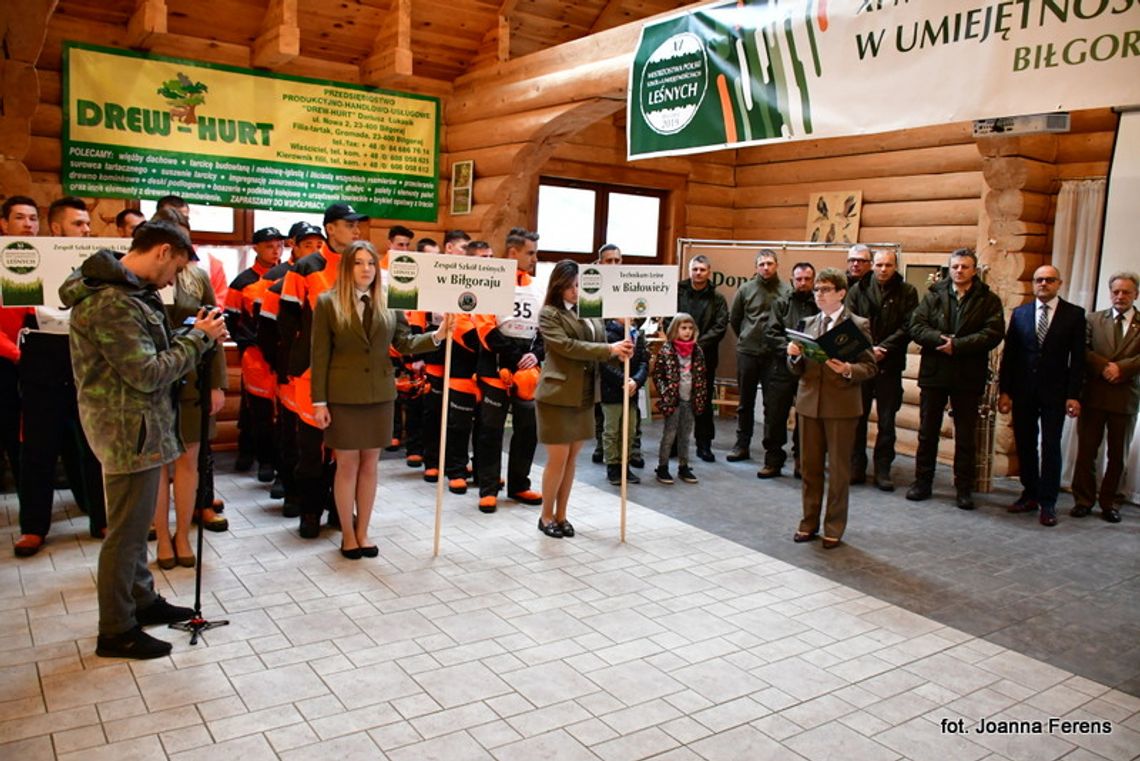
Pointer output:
x,y
126,364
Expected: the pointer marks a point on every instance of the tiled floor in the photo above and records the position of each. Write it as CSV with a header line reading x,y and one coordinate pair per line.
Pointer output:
x,y
678,645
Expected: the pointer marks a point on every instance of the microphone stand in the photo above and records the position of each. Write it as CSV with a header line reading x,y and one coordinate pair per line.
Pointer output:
x,y
202,499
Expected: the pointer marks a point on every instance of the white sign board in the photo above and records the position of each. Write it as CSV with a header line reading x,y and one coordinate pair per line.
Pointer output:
x,y
615,290
452,284
33,269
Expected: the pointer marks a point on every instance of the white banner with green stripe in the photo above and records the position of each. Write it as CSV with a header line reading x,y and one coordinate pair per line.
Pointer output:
x,y
732,74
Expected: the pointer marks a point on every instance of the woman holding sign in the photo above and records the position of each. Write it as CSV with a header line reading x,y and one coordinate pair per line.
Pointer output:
x,y
354,384
567,389
829,403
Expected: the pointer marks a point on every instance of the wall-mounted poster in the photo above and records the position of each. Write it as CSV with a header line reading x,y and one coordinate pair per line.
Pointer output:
x,y
141,126
834,217
462,186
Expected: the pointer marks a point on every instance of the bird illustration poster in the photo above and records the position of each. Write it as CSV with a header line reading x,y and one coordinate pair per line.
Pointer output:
x,y
834,217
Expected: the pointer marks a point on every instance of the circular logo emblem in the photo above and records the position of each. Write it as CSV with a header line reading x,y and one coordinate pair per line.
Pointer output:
x,y
640,305
842,339
590,281
20,257
402,269
673,83
467,301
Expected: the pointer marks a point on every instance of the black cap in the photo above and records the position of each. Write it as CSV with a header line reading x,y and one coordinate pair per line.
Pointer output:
x,y
267,234
302,230
343,211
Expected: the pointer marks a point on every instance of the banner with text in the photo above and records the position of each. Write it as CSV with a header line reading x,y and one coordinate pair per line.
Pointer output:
x,y
455,284
143,126
33,269
627,291
733,74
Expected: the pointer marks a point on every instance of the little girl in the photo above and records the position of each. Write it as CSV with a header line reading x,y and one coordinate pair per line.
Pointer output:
x,y
682,393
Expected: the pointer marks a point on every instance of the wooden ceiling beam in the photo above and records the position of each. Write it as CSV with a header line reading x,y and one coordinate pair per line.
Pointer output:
x,y
391,56
610,16
280,38
147,23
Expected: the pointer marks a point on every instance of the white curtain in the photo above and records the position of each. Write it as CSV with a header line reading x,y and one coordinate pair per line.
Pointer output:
x,y
1076,253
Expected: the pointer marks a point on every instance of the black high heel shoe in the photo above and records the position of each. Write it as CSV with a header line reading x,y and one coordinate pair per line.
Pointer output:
x,y
354,554
567,529
551,529
370,552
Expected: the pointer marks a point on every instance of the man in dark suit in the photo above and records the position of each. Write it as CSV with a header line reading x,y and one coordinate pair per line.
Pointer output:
x,y
1041,374
1111,397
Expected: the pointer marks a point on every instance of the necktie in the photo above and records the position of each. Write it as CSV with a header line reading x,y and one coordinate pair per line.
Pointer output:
x,y
367,319
1118,339
1042,324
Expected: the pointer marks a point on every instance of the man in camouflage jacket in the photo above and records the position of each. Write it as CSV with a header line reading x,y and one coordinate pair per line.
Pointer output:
x,y
126,365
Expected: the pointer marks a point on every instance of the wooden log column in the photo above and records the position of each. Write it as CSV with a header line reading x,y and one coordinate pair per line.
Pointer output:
x,y
23,29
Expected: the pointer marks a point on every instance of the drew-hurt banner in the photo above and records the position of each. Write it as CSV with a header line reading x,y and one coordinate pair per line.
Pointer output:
x,y
755,71
142,126
455,284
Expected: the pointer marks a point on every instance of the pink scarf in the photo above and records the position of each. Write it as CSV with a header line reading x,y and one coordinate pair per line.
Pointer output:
x,y
684,348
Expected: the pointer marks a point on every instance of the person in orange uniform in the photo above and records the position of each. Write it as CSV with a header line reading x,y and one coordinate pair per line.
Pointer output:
x,y
258,387
19,215
508,375
310,277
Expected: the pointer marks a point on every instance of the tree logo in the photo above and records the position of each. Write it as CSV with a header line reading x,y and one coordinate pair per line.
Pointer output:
x,y
183,95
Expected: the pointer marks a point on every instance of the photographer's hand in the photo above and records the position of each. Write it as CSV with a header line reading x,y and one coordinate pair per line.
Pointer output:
x,y
211,323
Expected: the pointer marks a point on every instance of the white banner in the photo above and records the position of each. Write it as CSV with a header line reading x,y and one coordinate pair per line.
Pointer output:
x,y
615,290
33,269
454,284
739,73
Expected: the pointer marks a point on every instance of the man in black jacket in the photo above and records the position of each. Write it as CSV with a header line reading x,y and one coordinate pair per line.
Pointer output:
x,y
1042,370
958,323
789,312
884,298
698,297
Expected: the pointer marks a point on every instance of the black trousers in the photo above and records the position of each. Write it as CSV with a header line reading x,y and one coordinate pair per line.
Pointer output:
x,y
314,472
432,417
257,428
496,404
286,428
460,424
1040,479
51,431
752,371
886,391
932,403
10,420
412,432
704,425
779,396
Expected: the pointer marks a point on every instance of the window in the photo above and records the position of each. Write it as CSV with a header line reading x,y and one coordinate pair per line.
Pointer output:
x,y
283,220
203,218
576,218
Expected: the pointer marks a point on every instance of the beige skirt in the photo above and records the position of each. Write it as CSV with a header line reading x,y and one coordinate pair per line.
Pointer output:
x,y
564,425
359,426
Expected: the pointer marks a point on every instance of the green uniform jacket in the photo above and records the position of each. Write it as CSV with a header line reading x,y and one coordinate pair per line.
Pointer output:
x,y
126,365
351,368
751,310
571,356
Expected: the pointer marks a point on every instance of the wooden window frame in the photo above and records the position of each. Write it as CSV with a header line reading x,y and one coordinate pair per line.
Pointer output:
x,y
601,217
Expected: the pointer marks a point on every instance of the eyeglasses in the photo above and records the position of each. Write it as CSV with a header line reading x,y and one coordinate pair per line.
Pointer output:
x,y
1046,280
823,289
857,259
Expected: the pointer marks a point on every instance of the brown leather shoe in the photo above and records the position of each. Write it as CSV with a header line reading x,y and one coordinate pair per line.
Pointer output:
x,y
1023,506
802,536
830,544
1048,519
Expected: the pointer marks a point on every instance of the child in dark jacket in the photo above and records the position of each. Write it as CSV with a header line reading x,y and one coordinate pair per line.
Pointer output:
x,y
613,376
682,393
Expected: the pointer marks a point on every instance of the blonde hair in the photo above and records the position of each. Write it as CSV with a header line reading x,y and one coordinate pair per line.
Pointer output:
x,y
681,318
344,299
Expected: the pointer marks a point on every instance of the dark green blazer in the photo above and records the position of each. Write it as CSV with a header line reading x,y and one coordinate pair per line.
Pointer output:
x,y
571,357
352,368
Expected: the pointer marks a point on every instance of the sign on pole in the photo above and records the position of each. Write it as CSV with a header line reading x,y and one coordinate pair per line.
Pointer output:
x,y
456,285
33,269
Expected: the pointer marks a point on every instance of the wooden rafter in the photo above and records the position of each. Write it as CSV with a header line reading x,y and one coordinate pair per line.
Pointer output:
x,y
391,57
147,23
280,38
610,16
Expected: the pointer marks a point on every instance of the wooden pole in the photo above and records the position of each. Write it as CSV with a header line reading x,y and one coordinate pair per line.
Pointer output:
x,y
442,444
624,438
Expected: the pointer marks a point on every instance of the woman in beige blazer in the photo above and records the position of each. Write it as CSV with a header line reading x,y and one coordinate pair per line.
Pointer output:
x,y
354,384
564,400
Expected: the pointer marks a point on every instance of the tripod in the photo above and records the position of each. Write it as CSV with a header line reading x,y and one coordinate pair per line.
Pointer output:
x,y
202,499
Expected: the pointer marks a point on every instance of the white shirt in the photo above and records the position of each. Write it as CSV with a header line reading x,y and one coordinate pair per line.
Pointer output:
x,y
1052,304
830,320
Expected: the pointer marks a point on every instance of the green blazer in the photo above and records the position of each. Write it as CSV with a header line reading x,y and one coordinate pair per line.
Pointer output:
x,y
352,368
567,377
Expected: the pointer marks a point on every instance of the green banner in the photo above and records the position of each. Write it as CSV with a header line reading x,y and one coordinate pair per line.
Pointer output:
x,y
142,126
